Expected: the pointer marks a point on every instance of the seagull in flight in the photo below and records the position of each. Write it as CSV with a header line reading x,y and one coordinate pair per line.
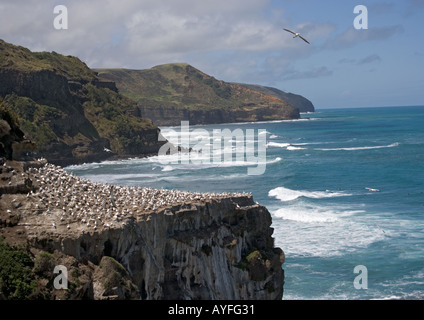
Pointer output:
x,y
297,34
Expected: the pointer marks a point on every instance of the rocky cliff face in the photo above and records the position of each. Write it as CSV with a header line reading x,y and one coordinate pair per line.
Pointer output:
x,y
138,243
13,144
173,116
71,115
300,102
171,93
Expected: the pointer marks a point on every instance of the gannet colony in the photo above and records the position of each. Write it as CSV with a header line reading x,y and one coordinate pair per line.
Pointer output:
x,y
73,201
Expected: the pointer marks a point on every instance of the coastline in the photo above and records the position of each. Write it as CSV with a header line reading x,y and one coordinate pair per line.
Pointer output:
x,y
146,232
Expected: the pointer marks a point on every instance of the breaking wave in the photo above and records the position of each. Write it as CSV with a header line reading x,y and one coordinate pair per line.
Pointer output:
x,y
360,148
286,194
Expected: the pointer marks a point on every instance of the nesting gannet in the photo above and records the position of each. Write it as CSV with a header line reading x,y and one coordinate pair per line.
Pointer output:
x,y
297,34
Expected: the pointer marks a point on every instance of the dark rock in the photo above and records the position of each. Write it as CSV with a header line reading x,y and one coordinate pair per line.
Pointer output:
x,y
171,93
218,247
69,113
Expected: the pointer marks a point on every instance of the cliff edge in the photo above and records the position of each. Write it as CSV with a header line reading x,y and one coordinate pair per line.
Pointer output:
x,y
300,102
71,115
171,93
131,242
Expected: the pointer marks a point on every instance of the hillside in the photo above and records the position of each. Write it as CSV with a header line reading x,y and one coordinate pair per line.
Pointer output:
x,y
300,102
126,243
173,92
70,114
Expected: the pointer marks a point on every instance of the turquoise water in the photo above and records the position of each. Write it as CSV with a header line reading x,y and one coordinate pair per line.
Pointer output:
x,y
345,188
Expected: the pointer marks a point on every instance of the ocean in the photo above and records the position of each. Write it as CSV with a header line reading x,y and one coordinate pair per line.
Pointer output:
x,y
345,188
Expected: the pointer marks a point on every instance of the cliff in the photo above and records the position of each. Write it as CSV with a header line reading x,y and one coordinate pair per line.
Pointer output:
x,y
70,114
13,143
130,242
296,100
170,93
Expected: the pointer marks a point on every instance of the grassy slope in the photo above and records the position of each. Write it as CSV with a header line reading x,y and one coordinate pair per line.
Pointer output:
x,y
93,114
183,86
296,100
22,59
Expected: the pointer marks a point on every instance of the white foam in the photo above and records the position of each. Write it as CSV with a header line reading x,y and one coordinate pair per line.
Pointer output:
x,y
286,194
278,159
167,168
309,143
263,132
318,231
292,148
229,155
277,144
309,216
360,148
286,145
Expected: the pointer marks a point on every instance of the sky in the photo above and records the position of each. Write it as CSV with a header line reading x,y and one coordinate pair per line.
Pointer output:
x,y
243,41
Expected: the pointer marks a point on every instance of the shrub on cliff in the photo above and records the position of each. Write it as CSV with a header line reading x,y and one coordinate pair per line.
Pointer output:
x,y
17,281
9,129
64,108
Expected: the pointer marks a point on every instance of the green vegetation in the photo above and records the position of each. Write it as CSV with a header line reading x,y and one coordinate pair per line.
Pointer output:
x,y
173,92
303,104
9,129
44,264
7,114
254,255
179,85
115,118
17,281
61,106
35,119
20,58
114,273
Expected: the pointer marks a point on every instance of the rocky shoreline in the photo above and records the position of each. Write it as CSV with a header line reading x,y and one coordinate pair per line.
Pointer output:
x,y
161,244
115,242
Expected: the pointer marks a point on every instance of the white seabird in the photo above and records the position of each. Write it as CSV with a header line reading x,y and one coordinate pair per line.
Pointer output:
x,y
297,34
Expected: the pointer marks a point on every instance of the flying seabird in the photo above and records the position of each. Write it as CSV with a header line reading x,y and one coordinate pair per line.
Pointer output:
x,y
297,34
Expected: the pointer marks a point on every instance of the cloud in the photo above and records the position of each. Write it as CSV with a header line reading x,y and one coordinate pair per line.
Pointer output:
x,y
370,59
381,8
313,73
140,34
366,60
352,37
348,61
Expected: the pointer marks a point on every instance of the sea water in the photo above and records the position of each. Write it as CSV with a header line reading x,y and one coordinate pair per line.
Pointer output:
x,y
345,188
